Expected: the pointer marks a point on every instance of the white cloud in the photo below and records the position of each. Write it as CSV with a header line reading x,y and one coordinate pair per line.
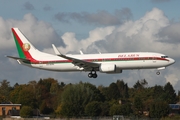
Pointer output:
x,y
72,44
172,78
139,35
173,75
38,32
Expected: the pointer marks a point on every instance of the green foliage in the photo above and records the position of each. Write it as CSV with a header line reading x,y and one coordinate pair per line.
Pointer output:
x,y
166,93
93,108
76,97
47,83
124,109
158,92
26,112
47,93
123,89
170,93
104,108
159,109
77,100
44,109
41,94
58,110
140,84
54,88
115,110
4,91
113,91
105,92
26,96
96,92
14,94
137,106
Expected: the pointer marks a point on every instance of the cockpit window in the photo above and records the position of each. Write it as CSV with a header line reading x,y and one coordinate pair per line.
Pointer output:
x,y
164,56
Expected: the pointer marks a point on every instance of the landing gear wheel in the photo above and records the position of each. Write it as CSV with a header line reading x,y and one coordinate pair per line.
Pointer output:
x,y
94,75
90,75
158,73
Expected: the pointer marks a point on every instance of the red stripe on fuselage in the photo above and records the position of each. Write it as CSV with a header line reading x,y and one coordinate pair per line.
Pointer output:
x,y
102,60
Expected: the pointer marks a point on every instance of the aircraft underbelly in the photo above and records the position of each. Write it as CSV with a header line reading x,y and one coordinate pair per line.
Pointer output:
x,y
143,64
58,67
140,64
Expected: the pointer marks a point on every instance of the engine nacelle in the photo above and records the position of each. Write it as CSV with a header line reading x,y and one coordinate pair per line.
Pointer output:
x,y
109,68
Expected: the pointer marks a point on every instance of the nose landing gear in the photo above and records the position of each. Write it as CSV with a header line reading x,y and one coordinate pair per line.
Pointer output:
x,y
92,74
157,73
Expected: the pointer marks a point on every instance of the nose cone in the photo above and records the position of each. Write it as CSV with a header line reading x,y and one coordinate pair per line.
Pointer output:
x,y
171,61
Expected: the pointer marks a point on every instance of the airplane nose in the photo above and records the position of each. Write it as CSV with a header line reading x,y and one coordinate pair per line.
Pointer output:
x,y
172,61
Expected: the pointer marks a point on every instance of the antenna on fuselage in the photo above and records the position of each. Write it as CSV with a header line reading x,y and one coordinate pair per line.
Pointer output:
x,y
81,52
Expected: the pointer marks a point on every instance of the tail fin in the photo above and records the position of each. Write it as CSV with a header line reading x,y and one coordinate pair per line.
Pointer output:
x,y
24,47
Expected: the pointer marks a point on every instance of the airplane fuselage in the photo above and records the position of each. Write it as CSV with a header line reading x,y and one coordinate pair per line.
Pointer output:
x,y
122,61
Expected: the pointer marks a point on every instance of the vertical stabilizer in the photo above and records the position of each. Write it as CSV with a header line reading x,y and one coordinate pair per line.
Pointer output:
x,y
25,49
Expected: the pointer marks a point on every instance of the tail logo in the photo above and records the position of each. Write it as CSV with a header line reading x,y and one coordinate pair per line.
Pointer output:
x,y
26,46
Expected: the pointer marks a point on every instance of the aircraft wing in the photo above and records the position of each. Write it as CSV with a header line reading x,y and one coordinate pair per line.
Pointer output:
x,y
77,62
81,63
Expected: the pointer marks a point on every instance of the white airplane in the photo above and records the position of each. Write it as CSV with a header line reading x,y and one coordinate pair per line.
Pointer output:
x,y
105,63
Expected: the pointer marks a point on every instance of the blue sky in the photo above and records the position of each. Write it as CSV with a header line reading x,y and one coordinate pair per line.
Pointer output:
x,y
45,10
92,26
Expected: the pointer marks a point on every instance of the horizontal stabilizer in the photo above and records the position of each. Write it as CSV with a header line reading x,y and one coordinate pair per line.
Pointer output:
x,y
17,58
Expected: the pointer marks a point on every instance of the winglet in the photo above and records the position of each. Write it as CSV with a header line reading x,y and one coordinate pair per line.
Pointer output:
x,y
56,50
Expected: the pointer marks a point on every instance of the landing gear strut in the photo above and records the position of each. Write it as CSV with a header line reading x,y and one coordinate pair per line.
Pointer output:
x,y
157,73
92,74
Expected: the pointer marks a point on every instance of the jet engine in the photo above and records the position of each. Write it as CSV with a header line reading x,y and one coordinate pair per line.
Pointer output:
x,y
109,68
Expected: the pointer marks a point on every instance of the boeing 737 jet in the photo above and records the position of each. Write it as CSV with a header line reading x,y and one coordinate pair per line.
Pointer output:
x,y
105,63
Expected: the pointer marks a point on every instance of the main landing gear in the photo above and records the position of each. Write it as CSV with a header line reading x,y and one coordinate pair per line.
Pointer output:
x,y
92,74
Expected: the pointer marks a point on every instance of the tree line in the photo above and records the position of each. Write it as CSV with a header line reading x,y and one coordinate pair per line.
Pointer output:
x,y
85,99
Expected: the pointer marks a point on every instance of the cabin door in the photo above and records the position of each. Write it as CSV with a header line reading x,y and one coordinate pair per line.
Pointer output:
x,y
154,58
